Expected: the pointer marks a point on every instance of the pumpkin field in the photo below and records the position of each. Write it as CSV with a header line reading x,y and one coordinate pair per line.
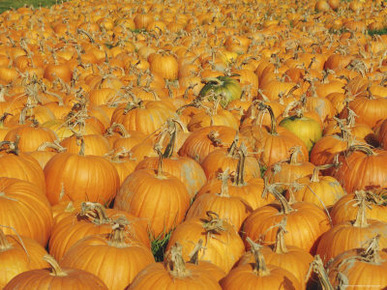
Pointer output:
x,y
193,145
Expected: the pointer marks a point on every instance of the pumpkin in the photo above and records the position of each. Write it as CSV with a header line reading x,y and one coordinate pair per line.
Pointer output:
x,y
259,224
273,145
307,129
351,235
26,209
362,168
323,191
17,255
222,244
96,179
345,211
232,209
365,267
259,275
156,196
115,258
88,219
224,88
291,258
174,274
55,278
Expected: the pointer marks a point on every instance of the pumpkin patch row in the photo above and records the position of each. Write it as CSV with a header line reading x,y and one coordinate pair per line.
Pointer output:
x,y
212,146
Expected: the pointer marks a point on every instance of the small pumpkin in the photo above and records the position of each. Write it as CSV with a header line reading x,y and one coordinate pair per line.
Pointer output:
x,y
223,87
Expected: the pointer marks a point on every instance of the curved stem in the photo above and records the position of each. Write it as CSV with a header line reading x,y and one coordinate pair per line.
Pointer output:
x,y
95,212
317,266
4,244
280,245
362,148
240,172
224,176
260,268
56,270
294,155
361,218
194,255
175,263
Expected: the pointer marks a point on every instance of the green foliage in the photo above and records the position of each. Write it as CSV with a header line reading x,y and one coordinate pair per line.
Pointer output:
x,y
14,4
158,246
378,31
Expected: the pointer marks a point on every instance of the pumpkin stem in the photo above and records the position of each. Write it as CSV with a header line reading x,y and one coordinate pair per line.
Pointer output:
x,y
224,176
56,270
296,151
280,245
260,268
240,172
317,266
172,131
157,148
4,244
371,253
52,145
231,150
361,218
120,128
117,236
174,262
365,149
95,212
272,188
11,147
194,255
213,224
273,122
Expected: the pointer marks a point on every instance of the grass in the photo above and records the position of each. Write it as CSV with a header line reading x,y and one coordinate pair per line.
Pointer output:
x,y
9,4
378,31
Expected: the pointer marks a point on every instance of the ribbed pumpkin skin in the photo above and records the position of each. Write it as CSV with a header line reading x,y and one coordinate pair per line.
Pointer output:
x,y
219,160
156,276
359,272
73,177
305,225
115,265
42,280
360,171
94,145
243,277
14,260
30,137
345,211
295,260
345,236
22,167
161,200
145,119
326,148
73,228
198,145
323,193
186,169
222,249
230,208
273,148
24,207
250,191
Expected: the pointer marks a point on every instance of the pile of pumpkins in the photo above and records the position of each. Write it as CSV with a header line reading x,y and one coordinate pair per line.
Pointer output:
x,y
194,145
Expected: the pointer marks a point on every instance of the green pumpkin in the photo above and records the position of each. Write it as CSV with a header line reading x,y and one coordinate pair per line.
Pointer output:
x,y
307,129
225,87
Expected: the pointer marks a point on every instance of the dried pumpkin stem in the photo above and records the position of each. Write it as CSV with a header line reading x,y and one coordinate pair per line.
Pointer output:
x,y
296,151
56,270
120,128
317,266
117,238
175,263
240,172
362,148
361,218
4,244
95,212
280,245
260,268
194,255
224,176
